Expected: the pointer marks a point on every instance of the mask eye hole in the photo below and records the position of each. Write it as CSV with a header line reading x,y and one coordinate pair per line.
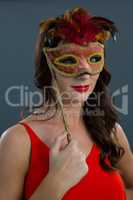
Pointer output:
x,y
95,58
66,60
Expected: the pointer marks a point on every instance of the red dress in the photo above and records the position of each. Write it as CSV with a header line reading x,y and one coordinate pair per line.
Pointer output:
x,y
96,185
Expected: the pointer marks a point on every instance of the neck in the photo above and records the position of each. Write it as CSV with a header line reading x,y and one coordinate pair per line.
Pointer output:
x,y
72,113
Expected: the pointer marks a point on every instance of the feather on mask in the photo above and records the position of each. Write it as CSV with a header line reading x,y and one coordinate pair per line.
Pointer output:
x,y
78,26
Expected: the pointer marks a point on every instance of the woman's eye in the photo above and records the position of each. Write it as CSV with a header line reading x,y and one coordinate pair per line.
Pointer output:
x,y
68,60
95,58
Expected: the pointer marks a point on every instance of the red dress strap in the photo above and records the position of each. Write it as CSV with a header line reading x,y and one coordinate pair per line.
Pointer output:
x,y
39,162
33,136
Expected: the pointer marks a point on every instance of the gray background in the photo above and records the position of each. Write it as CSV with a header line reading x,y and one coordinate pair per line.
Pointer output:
x,y
18,29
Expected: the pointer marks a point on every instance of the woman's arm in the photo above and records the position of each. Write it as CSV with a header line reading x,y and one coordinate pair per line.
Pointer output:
x,y
125,164
13,163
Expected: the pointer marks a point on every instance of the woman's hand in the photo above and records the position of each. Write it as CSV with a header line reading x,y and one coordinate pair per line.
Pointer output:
x,y
68,165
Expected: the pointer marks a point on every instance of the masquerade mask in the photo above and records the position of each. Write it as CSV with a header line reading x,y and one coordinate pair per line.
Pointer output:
x,y
67,59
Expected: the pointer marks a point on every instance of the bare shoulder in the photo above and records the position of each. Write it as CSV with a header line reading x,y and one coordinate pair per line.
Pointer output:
x,y
14,161
15,134
15,142
123,141
125,164
122,137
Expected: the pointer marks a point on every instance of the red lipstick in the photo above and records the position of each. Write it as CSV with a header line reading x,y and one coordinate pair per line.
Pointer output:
x,y
80,88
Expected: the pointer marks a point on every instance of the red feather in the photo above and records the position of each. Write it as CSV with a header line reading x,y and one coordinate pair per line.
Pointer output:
x,y
78,26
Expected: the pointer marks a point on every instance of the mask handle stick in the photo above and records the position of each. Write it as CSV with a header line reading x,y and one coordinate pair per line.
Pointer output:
x,y
59,100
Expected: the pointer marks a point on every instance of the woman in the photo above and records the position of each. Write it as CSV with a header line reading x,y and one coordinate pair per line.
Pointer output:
x,y
72,146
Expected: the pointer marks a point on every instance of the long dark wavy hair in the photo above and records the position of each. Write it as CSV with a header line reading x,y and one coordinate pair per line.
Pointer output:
x,y
100,120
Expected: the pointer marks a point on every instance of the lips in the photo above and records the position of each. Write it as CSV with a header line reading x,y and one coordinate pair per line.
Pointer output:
x,y
81,88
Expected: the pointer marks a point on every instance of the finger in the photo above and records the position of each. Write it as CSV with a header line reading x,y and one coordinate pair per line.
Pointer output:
x,y
58,143
71,146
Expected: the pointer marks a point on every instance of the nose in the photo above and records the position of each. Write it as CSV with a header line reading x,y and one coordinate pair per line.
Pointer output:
x,y
83,65
83,69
